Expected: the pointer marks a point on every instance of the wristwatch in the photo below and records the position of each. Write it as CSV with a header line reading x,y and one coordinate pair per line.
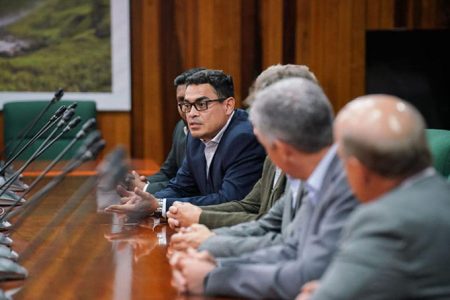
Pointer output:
x,y
158,211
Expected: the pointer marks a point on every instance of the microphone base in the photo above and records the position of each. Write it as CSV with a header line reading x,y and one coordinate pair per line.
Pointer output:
x,y
5,226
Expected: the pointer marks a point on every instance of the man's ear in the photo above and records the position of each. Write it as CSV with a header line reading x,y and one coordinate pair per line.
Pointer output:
x,y
230,104
285,151
359,170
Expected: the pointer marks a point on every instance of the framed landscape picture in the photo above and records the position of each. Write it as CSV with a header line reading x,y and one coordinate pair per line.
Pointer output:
x,y
81,46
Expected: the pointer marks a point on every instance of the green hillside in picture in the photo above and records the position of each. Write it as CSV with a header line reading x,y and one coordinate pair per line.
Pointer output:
x,y
46,44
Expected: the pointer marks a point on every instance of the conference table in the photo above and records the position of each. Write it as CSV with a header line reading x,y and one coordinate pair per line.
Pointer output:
x,y
74,250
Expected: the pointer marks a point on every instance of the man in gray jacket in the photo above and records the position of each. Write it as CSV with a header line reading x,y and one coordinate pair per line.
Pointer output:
x,y
396,246
293,121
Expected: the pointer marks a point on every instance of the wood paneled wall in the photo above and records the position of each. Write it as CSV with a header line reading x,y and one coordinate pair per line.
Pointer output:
x,y
243,37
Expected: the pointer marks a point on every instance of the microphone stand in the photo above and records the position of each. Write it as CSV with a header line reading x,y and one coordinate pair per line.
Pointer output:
x,y
4,187
44,129
35,200
88,125
23,133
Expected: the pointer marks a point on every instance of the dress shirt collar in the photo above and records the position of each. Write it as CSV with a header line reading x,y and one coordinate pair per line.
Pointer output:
x,y
216,139
315,180
294,186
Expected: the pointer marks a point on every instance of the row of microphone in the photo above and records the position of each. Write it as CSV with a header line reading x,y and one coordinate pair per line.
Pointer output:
x,y
13,190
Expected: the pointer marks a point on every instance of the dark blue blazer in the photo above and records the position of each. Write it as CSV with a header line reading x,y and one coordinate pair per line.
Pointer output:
x,y
235,167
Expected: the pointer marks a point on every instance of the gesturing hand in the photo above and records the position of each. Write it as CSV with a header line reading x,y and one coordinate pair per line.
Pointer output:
x,y
137,202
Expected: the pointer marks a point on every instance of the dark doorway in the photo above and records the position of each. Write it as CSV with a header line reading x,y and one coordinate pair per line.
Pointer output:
x,y
415,66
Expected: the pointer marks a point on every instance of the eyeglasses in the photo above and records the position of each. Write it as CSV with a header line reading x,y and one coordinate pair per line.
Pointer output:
x,y
200,105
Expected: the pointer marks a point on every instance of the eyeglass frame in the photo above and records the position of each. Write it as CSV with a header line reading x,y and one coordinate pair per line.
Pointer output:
x,y
184,103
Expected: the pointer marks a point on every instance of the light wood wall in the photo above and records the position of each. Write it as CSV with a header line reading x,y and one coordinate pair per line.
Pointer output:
x,y
243,37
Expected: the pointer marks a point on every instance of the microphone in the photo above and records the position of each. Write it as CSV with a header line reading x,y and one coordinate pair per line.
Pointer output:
x,y
90,154
72,124
67,115
92,138
57,96
5,240
53,119
110,172
10,270
112,169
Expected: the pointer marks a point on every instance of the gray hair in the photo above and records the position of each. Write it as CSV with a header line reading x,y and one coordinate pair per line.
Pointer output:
x,y
373,140
275,73
296,111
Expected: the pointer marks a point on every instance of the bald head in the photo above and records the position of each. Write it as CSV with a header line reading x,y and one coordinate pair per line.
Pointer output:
x,y
385,133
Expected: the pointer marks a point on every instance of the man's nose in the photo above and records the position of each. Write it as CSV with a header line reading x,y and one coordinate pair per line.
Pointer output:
x,y
193,112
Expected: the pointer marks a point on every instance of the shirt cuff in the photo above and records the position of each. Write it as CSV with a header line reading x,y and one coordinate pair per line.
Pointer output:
x,y
163,208
146,186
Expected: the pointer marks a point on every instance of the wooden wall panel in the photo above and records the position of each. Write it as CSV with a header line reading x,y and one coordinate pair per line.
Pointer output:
x,y
115,128
243,37
272,32
407,14
147,109
380,14
330,40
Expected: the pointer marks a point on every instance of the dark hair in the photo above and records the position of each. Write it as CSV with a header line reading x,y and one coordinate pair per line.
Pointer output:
x,y
181,79
221,82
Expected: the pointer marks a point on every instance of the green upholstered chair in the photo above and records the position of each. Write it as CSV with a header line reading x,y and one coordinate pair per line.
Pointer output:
x,y
439,141
17,115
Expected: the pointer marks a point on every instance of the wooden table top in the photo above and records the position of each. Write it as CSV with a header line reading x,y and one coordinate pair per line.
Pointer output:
x,y
142,166
72,250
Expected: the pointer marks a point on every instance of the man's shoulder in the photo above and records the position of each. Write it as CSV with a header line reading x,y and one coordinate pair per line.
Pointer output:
x,y
430,190
240,123
417,207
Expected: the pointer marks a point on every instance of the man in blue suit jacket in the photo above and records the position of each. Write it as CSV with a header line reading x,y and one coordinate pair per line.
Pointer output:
x,y
223,157
174,159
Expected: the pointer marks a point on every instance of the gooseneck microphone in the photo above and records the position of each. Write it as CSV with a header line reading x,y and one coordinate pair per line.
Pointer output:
x,y
90,140
68,114
21,136
72,124
56,116
4,187
90,154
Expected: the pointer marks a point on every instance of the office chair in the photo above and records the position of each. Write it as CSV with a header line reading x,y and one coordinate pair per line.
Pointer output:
x,y
17,115
439,142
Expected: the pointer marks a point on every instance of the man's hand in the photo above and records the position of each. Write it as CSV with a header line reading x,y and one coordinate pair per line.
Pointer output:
x,y
137,181
183,214
307,290
190,237
189,270
134,203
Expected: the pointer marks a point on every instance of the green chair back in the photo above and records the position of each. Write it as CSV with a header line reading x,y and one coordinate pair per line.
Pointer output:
x,y
439,142
17,115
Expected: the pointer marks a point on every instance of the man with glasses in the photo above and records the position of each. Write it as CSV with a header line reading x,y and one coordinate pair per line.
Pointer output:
x,y
223,158
174,159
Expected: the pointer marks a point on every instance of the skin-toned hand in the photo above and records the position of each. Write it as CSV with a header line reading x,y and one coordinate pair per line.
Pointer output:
x,y
134,203
189,270
183,214
307,290
138,181
190,237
